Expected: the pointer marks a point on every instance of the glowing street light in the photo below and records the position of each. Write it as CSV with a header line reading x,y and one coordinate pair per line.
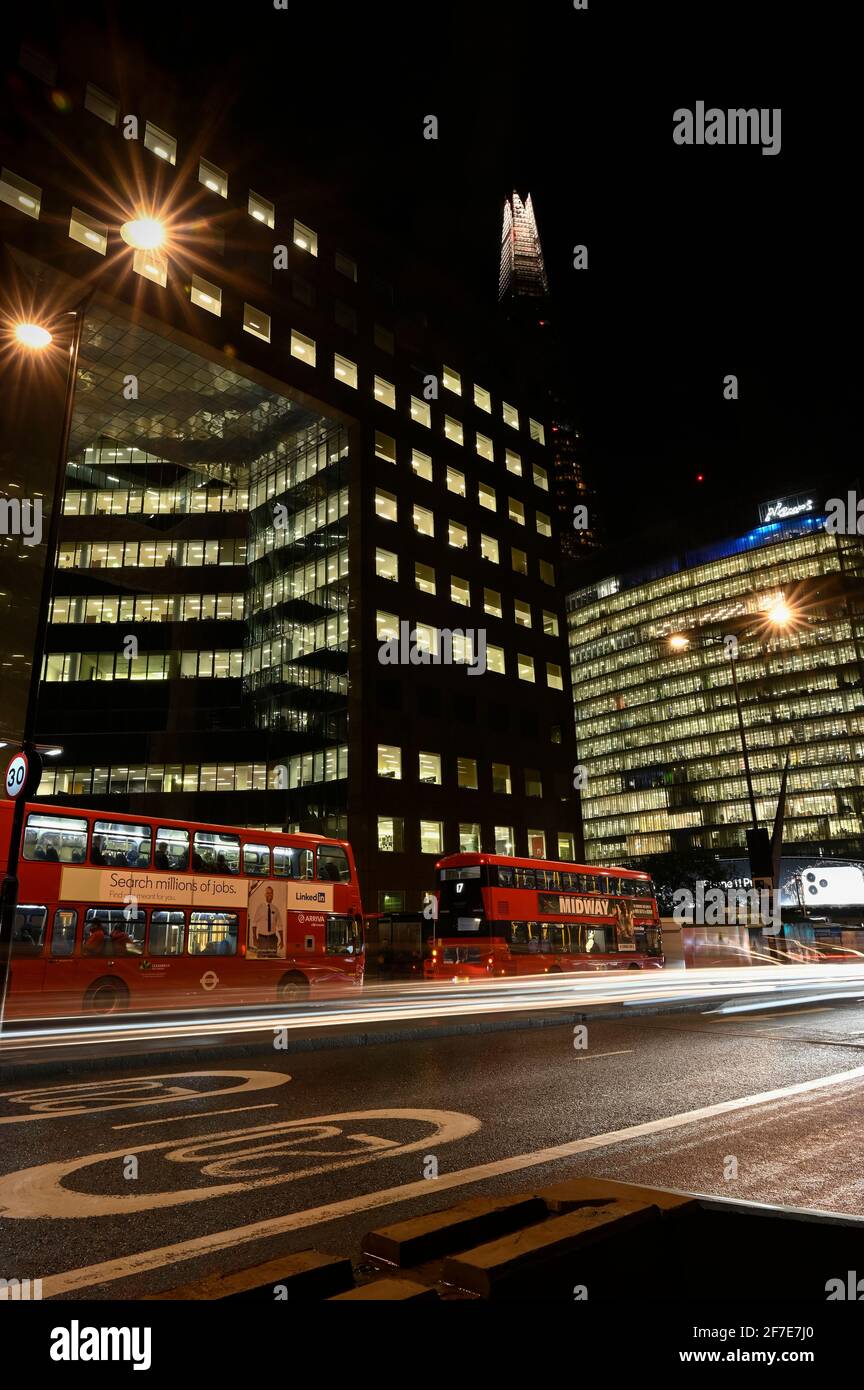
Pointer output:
x,y
143,233
678,642
32,336
780,614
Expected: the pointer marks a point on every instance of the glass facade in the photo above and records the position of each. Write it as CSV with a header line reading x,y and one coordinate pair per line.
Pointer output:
x,y
659,746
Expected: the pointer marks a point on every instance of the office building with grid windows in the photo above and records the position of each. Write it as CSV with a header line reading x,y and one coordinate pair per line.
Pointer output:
x,y
652,655
278,461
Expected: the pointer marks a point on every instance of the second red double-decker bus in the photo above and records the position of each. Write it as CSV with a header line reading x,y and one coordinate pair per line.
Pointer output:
x,y
117,911
503,916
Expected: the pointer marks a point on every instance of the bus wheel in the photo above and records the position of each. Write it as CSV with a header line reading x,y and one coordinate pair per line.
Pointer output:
x,y
634,966
292,989
106,996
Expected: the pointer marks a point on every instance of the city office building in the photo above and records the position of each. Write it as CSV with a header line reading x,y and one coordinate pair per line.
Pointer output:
x,y
281,471
652,655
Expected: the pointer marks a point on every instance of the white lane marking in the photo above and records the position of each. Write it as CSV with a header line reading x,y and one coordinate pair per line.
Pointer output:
x,y
589,1056
227,1241
172,1119
91,1097
250,1155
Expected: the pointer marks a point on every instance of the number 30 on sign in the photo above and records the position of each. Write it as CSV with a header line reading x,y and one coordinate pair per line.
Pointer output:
x,y
16,775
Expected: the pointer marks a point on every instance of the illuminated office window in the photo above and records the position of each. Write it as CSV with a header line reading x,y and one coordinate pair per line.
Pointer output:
x,y
424,521
544,524
537,432
541,477
431,837
456,482
391,835
505,842
213,178
345,370
519,560
460,591
511,415
151,265
303,348
492,603
550,623
386,564
389,761
469,838
466,774
385,505
453,430
160,142
513,462
90,233
305,238
457,535
536,844
489,549
424,578
206,295
385,447
515,511
386,626
429,768
486,497
485,448
385,392
554,678
256,322
522,612
525,667
533,782
420,412
567,845
452,380
422,465
482,399
20,194
501,782
495,660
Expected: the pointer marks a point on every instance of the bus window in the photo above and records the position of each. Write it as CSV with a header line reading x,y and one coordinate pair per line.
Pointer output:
x,y
594,940
569,880
213,934
256,860
172,848
625,887
216,853
505,876
58,839
333,864
113,931
167,930
115,844
525,878
291,862
28,932
63,931
340,936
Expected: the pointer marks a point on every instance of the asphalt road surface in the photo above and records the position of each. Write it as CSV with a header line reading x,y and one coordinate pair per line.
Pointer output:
x,y
133,1181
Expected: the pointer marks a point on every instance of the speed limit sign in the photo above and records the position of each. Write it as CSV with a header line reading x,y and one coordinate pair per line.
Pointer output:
x,y
16,774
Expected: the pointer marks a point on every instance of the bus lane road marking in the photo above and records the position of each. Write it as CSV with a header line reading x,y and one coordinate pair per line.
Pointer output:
x,y
93,1097
175,1119
228,1241
251,1158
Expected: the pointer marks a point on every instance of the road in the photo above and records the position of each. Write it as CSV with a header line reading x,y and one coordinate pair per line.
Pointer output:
x,y
138,1179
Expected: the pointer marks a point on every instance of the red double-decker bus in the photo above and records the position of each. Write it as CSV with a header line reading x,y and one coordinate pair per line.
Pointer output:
x,y
503,916
118,911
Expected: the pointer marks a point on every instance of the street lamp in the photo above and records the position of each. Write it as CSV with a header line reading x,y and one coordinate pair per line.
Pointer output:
x,y
33,338
144,233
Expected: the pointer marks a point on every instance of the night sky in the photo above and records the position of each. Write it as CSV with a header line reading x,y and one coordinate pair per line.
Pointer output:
x,y
702,261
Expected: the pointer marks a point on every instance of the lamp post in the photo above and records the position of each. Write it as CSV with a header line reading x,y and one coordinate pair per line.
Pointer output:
x,y
34,338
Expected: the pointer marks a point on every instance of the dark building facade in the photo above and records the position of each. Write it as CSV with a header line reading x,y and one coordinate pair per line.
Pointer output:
x,y
279,459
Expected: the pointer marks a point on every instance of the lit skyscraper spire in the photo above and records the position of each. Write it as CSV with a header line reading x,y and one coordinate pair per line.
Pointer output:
x,y
523,273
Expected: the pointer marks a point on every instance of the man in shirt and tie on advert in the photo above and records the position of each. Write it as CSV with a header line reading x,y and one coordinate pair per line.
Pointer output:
x,y
266,924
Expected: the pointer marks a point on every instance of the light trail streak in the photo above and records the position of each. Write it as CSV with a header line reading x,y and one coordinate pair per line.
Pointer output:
x,y
722,990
